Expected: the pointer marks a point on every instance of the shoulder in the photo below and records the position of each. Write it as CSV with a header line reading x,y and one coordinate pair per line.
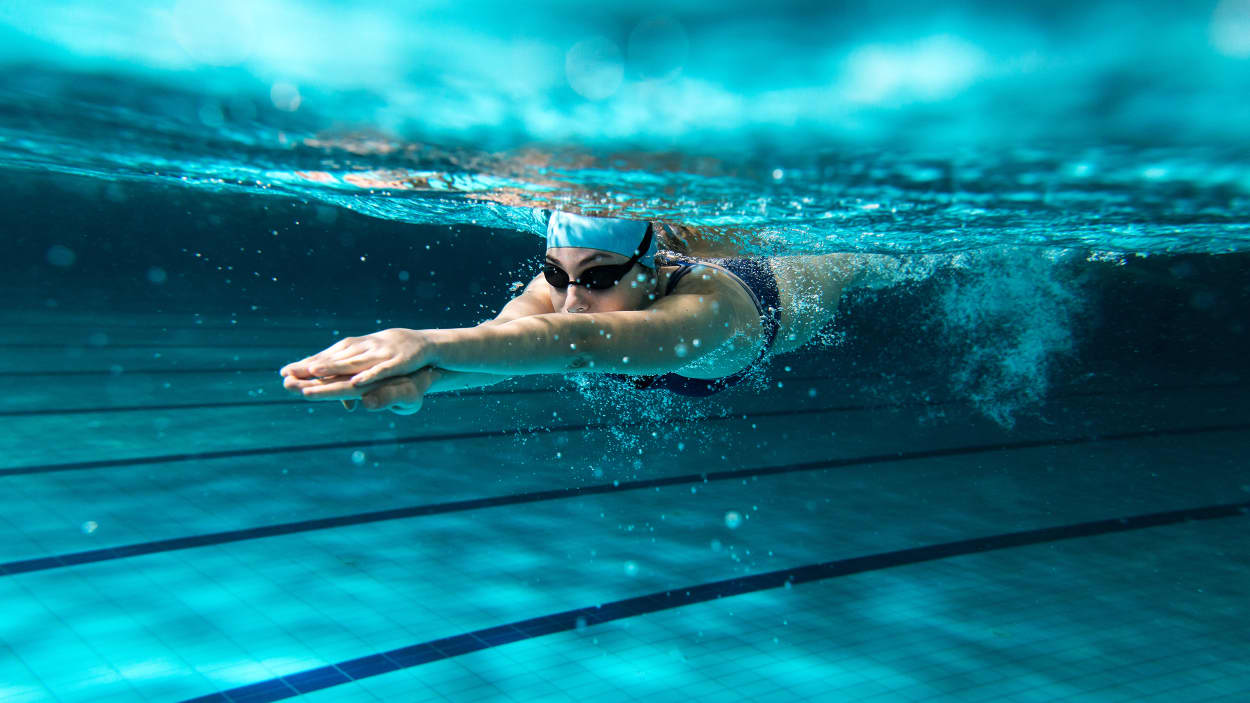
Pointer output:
x,y
537,286
713,285
535,299
705,278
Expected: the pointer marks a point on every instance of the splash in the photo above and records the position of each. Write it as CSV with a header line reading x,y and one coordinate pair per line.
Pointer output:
x,y
1006,317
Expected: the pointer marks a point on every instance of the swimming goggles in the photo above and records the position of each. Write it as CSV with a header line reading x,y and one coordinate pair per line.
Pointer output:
x,y
596,277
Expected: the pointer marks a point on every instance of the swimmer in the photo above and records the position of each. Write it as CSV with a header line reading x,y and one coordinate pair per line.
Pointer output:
x,y
606,302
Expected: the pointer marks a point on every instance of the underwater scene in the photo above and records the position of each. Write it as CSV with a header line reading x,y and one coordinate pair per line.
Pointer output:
x,y
625,351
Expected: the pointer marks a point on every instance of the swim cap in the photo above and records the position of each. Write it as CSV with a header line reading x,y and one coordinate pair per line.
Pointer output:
x,y
623,237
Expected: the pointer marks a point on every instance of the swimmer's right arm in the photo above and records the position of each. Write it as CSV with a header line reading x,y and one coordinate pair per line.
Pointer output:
x,y
532,301
408,391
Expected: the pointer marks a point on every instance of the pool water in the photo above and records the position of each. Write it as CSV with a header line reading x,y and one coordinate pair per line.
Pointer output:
x,y
1014,470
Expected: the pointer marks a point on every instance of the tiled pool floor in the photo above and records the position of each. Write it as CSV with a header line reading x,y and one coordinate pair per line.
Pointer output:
x,y
166,542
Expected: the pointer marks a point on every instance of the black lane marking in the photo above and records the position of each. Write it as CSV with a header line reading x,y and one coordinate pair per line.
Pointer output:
x,y
88,345
453,436
556,389
215,538
301,401
149,371
227,404
238,404
186,327
260,451
139,372
310,680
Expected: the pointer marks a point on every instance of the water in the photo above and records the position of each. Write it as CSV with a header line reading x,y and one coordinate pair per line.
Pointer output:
x,y
1017,456
905,129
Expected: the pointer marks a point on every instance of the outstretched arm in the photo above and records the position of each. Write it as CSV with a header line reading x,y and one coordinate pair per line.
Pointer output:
x,y
677,331
405,394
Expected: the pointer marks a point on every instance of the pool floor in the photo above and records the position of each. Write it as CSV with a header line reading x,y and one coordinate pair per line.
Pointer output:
x,y
176,528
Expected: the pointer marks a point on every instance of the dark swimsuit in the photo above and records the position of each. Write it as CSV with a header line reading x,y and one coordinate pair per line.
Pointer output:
x,y
757,277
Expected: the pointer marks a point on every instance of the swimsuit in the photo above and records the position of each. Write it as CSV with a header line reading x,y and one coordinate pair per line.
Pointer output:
x,y
757,278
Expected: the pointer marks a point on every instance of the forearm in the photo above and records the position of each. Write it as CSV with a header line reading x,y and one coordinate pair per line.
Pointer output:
x,y
541,344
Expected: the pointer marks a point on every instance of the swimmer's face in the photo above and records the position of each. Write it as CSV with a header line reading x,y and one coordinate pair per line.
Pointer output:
x,y
628,294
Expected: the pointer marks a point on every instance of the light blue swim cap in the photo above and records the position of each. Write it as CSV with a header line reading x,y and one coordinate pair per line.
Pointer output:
x,y
623,237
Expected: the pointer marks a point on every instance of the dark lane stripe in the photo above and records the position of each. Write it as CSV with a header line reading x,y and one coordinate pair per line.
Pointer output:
x,y
260,451
343,672
452,436
89,345
277,364
231,404
178,327
167,545
260,326
556,389
136,372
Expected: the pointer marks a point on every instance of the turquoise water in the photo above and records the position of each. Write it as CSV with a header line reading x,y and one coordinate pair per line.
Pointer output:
x,y
1014,469
902,129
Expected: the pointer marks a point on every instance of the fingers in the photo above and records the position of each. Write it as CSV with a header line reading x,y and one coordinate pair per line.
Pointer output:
x,y
323,389
296,386
310,365
348,405
346,366
298,369
378,372
304,367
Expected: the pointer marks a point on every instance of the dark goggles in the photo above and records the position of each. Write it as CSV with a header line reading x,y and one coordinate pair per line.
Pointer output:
x,y
596,277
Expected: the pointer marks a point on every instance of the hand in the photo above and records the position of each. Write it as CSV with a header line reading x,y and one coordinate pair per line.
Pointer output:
x,y
368,359
403,395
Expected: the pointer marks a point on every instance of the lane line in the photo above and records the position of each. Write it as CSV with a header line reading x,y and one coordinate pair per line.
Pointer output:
x,y
309,680
481,434
538,391
88,345
215,538
391,441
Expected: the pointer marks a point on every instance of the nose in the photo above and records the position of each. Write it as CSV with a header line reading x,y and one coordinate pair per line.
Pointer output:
x,y
577,299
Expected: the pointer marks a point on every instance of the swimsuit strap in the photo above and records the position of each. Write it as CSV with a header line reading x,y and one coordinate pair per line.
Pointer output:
x,y
673,279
